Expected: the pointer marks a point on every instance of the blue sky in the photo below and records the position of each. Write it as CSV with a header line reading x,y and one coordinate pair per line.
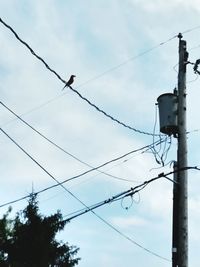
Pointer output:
x,y
91,39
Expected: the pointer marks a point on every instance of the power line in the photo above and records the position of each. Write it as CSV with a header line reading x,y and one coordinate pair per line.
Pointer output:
x,y
194,47
126,62
191,29
74,90
100,75
113,68
33,109
106,71
98,216
68,153
128,193
67,180
135,57
80,201
88,208
119,196
133,241
88,103
59,147
111,117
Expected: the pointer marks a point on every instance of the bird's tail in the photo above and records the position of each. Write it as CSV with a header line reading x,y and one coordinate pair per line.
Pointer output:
x,y
64,87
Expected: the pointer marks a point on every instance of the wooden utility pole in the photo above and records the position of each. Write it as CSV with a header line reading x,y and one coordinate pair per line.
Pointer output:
x,y
180,224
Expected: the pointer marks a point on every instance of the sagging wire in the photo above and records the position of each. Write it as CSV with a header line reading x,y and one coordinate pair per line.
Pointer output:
x,y
56,145
166,149
157,143
55,179
132,200
154,151
78,93
195,68
161,153
127,207
91,210
160,167
73,89
174,68
194,80
128,193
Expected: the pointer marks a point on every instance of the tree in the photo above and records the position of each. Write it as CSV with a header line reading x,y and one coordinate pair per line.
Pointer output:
x,y
5,233
29,240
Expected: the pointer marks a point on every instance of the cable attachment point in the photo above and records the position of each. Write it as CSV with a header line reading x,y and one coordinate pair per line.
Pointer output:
x,y
196,71
127,206
180,36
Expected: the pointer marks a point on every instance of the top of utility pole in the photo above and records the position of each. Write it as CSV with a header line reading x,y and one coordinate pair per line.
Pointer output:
x,y
180,36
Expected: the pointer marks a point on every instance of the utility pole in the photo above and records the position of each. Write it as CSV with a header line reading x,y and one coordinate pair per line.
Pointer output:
x,y
180,221
172,111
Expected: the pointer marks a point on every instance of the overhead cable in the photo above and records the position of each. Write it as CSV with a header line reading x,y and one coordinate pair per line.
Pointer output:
x,y
78,93
72,178
69,179
80,201
117,197
133,241
74,90
59,147
191,29
128,193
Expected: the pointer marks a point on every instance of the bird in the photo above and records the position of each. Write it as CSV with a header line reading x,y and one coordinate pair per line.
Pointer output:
x,y
69,82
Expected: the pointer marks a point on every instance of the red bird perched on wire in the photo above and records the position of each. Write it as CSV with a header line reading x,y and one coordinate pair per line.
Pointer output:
x,y
69,82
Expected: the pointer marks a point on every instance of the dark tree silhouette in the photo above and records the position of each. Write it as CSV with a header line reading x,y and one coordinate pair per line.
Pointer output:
x,y
29,240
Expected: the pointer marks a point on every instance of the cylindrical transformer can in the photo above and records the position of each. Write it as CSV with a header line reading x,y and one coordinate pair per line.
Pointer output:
x,y
168,113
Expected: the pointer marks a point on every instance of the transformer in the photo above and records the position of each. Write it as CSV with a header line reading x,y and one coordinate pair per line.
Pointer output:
x,y
168,113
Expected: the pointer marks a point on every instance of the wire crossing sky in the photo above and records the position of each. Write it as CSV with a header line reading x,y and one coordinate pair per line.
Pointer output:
x,y
64,150
131,191
127,193
122,66
78,93
97,77
71,178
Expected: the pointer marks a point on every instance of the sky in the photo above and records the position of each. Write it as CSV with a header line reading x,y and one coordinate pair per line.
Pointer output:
x,y
124,55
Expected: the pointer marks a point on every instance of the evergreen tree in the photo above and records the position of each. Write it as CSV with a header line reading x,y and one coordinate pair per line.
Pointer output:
x,y
29,240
